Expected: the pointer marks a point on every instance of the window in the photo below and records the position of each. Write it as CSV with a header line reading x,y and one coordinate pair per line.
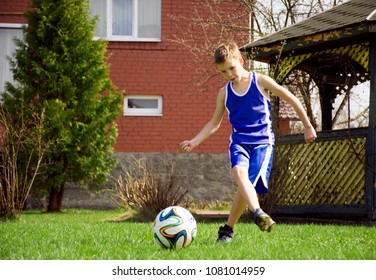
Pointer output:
x,y
143,105
7,48
128,20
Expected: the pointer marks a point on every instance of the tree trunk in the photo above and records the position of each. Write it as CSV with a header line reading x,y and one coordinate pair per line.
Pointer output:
x,y
56,199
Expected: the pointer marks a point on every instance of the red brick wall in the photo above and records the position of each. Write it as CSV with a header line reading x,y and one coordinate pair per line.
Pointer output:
x,y
11,11
155,68
161,69
284,127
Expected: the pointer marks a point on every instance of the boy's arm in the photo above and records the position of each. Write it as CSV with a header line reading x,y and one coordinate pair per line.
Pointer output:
x,y
267,83
210,128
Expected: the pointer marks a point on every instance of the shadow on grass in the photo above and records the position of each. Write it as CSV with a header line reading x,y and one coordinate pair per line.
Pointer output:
x,y
220,216
201,216
129,216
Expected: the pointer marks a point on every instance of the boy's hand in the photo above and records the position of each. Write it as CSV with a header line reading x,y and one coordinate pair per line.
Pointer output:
x,y
309,134
187,146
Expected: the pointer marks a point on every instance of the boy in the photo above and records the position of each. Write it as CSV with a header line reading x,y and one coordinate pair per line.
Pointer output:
x,y
246,97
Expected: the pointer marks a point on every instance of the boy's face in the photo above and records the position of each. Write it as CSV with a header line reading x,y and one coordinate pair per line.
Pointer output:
x,y
231,69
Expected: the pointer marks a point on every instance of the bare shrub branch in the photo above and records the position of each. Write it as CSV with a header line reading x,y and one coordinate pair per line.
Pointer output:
x,y
142,188
21,155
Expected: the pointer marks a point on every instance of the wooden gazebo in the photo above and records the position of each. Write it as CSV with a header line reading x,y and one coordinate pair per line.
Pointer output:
x,y
337,174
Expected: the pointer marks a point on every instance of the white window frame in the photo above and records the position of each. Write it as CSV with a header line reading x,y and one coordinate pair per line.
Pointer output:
x,y
153,112
134,37
12,25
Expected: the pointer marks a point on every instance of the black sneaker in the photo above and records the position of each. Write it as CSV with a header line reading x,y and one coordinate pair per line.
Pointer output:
x,y
225,234
263,220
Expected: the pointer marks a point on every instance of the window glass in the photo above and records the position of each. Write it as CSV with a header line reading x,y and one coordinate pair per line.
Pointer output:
x,y
122,17
149,19
7,48
99,8
143,105
128,20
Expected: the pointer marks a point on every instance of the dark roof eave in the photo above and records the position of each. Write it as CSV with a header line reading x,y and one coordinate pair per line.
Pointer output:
x,y
264,52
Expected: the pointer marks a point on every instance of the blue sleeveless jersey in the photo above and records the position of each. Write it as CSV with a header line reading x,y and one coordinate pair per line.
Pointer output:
x,y
249,115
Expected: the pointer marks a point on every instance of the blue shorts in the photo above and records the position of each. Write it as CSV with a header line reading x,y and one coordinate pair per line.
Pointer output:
x,y
258,159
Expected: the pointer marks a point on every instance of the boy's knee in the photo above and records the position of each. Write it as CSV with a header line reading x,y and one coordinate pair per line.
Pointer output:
x,y
240,171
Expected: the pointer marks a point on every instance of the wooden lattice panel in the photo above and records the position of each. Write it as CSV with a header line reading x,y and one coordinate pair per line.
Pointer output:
x,y
289,63
358,53
323,173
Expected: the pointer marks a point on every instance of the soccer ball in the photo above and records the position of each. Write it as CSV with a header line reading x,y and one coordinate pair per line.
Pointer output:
x,y
174,227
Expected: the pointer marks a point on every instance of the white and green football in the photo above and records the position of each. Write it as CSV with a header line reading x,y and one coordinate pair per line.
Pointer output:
x,y
174,228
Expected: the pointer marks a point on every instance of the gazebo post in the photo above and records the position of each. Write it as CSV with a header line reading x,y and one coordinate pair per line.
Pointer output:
x,y
370,171
326,107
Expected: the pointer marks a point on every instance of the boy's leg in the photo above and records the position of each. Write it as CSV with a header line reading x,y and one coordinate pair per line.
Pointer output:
x,y
226,233
261,159
240,158
245,188
237,209
245,196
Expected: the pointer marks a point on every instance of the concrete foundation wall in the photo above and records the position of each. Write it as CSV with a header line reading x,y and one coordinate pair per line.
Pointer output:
x,y
207,176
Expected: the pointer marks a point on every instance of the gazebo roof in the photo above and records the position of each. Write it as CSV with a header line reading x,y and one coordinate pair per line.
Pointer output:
x,y
353,18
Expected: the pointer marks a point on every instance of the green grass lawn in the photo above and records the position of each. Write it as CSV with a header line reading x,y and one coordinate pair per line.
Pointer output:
x,y
97,235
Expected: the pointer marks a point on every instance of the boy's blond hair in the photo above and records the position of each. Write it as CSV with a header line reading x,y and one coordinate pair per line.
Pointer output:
x,y
225,51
